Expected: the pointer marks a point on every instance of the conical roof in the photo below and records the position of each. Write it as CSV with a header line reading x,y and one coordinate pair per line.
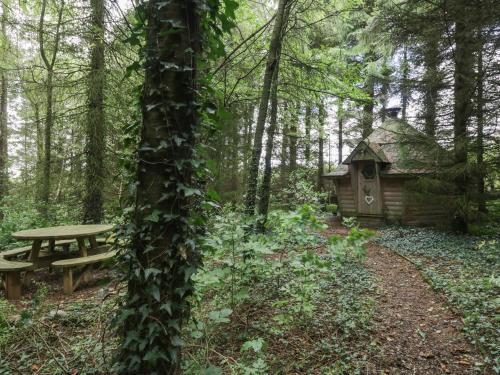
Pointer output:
x,y
399,147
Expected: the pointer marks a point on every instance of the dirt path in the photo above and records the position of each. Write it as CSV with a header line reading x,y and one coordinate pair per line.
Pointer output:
x,y
416,332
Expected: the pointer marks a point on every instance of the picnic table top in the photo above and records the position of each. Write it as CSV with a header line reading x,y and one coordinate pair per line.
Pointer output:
x,y
62,232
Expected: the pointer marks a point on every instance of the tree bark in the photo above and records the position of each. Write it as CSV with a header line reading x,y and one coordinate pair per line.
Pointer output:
x,y
164,255
480,133
367,121
340,117
294,129
49,87
405,90
321,140
272,59
284,146
307,122
265,188
95,146
463,93
3,114
431,85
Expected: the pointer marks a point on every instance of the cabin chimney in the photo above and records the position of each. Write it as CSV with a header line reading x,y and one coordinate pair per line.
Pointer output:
x,y
393,112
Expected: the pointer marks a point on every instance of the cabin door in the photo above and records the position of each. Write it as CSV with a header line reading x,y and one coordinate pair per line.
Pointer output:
x,y
368,189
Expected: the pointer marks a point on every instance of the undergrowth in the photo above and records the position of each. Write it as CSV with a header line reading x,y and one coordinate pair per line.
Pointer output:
x,y
288,301
464,268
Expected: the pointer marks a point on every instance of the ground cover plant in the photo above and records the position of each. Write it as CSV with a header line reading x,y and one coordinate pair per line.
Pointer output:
x,y
54,336
466,270
289,300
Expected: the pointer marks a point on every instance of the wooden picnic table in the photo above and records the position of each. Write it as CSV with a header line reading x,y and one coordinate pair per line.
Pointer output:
x,y
66,232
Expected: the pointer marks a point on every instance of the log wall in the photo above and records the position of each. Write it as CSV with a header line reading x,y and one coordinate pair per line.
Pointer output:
x,y
345,195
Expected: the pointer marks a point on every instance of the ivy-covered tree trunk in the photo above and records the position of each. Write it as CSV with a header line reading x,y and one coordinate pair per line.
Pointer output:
x,y
49,97
265,188
463,93
431,85
94,150
307,123
163,256
272,60
3,110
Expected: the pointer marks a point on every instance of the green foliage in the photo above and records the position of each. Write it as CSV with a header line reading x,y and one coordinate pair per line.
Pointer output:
x,y
22,214
257,292
300,189
57,338
331,208
465,269
350,222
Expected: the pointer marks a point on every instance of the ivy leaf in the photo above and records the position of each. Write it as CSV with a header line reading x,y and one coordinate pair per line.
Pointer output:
x,y
154,216
155,292
212,370
256,345
220,316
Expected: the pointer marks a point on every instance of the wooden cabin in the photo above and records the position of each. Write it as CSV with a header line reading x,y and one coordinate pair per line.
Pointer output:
x,y
372,182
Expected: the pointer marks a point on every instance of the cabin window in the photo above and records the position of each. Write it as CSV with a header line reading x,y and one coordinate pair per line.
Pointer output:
x,y
368,171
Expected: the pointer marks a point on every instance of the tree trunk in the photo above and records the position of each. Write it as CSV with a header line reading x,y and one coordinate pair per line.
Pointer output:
x,y
340,117
321,140
294,129
248,141
307,121
367,121
164,255
3,115
432,83
272,59
49,65
480,133
284,146
46,177
463,92
39,151
94,150
265,188
405,94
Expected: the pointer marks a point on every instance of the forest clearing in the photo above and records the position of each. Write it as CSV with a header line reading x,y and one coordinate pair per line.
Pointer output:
x,y
249,187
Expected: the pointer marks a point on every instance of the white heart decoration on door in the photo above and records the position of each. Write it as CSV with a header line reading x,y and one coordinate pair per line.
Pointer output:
x,y
369,199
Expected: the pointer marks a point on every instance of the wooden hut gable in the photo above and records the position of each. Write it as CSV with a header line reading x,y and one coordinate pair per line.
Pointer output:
x,y
366,151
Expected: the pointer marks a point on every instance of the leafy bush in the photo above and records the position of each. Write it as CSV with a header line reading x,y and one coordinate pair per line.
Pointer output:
x,y
299,190
257,293
22,214
331,208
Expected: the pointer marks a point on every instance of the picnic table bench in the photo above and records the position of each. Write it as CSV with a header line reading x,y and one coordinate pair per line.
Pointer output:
x,y
25,250
68,265
12,272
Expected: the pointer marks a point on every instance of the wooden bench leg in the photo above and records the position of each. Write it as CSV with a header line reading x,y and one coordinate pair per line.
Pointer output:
x,y
13,285
68,281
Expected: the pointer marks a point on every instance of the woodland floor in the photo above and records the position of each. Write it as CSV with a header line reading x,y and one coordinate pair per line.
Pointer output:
x,y
416,332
